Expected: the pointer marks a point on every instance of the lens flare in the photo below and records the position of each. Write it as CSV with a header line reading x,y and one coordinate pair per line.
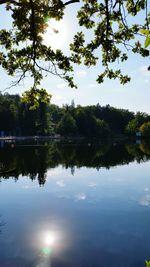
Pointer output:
x,y
46,251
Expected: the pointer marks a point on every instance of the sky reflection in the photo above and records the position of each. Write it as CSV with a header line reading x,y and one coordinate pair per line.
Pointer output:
x,y
94,218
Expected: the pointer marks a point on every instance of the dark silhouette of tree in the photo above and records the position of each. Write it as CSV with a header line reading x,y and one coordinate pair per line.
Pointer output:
x,y
134,125
67,125
16,118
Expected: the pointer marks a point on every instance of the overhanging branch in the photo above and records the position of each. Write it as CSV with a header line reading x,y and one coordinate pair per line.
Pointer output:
x,y
10,2
71,2
19,4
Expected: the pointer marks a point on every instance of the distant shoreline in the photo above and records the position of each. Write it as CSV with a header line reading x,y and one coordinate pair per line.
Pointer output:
x,y
70,139
38,137
63,138
35,137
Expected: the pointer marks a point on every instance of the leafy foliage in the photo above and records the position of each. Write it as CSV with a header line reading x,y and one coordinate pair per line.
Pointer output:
x,y
145,129
112,32
17,117
23,52
134,125
67,125
34,97
147,34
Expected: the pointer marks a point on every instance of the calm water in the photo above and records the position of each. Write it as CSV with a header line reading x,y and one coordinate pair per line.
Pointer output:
x,y
74,205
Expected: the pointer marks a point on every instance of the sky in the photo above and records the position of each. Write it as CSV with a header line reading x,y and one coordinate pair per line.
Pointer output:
x,y
134,96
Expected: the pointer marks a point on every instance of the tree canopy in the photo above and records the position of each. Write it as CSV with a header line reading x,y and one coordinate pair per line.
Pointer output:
x,y
95,121
145,129
22,51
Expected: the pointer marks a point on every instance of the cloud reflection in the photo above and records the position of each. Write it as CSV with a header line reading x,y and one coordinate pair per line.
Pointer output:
x,y
61,183
94,185
81,196
146,189
27,187
145,201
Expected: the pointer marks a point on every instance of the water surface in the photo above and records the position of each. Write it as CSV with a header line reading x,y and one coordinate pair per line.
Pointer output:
x,y
73,205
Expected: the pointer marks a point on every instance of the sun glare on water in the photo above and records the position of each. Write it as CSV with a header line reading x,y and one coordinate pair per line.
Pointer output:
x,y
50,238
55,34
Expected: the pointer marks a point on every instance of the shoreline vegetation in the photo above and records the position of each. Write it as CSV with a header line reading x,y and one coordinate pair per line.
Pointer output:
x,y
19,121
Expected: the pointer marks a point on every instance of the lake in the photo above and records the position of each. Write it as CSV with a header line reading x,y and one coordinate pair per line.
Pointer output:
x,y
74,205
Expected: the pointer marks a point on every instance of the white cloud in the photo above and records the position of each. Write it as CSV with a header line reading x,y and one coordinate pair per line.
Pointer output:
x,y
81,73
61,85
57,99
60,183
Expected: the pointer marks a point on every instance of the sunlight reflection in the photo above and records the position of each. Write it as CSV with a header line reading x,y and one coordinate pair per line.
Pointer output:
x,y
50,239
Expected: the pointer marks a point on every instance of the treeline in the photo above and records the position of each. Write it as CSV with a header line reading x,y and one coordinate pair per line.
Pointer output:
x,y
16,118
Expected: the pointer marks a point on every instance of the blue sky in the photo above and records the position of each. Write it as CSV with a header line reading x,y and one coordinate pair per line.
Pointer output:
x,y
134,96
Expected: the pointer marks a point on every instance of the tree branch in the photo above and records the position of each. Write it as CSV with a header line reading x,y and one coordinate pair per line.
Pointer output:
x,y
19,4
71,2
10,2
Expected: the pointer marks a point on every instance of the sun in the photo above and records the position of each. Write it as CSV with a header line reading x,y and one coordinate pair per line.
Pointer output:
x,y
56,34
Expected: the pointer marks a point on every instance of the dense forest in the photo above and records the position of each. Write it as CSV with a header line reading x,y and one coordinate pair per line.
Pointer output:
x,y
18,119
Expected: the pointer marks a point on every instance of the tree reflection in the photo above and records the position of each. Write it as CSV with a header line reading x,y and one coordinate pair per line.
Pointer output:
x,y
33,160
145,147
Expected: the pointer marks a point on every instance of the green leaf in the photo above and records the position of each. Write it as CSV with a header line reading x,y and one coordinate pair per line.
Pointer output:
x,y
147,263
145,32
46,19
147,41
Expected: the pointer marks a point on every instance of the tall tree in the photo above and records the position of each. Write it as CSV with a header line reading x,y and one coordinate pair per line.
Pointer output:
x,y
67,125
